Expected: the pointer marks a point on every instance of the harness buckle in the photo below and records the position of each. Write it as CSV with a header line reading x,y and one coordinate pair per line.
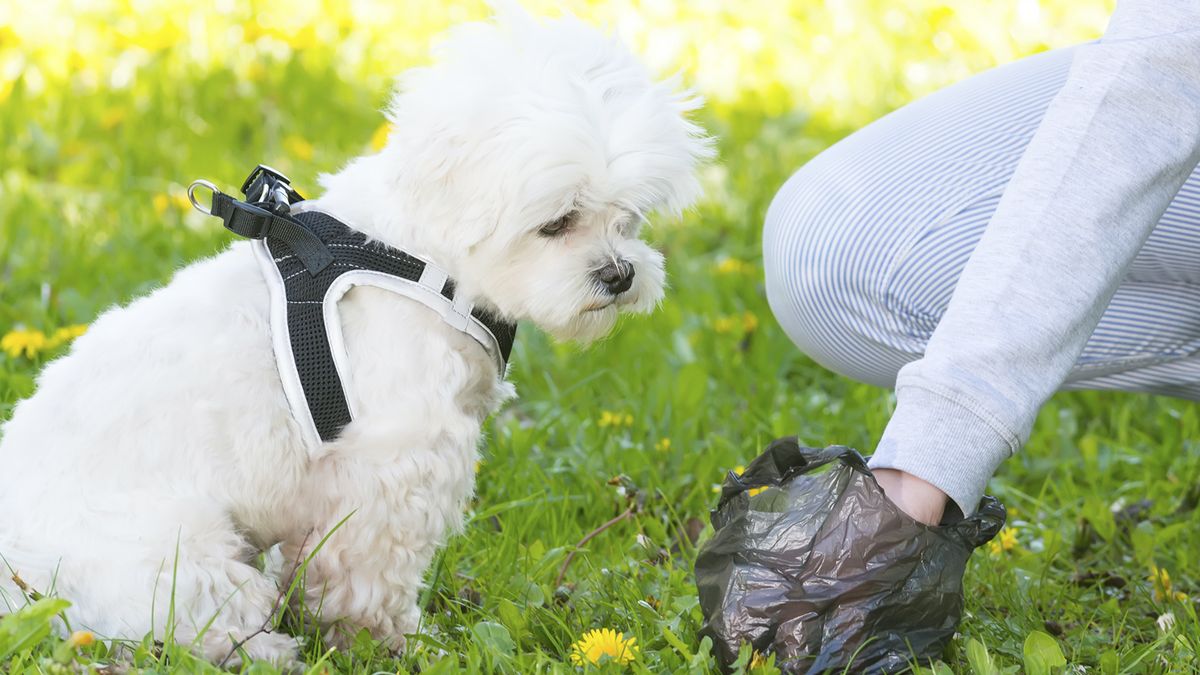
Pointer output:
x,y
264,169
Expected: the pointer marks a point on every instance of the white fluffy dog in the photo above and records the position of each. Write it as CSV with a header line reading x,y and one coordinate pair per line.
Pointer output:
x,y
160,456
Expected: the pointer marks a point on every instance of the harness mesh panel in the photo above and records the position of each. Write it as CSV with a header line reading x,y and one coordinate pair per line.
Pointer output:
x,y
305,294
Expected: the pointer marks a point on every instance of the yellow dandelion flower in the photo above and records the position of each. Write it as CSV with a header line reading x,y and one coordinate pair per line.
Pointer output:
x,y
176,200
65,335
1005,542
81,638
663,444
603,643
614,419
379,138
181,202
758,660
22,342
298,147
730,266
1162,585
112,118
749,322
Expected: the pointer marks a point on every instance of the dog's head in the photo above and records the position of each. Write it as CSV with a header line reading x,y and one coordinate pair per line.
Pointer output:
x,y
542,146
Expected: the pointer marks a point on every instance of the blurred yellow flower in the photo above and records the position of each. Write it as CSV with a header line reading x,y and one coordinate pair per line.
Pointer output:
x,y
731,266
65,334
379,138
112,117
176,200
81,638
298,147
1004,542
663,444
757,660
23,342
602,643
1163,589
747,323
614,419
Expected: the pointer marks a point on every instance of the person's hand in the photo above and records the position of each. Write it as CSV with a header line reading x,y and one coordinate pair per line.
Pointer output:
x,y
917,498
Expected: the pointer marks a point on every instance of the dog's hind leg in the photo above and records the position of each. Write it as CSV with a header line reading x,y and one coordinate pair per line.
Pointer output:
x,y
192,583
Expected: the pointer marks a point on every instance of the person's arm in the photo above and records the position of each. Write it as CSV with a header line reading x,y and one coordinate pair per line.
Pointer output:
x,y
1116,145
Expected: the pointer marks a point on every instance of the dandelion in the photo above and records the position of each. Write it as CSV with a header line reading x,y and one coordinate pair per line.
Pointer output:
x,y
81,638
746,323
602,643
298,147
164,201
22,342
731,266
1163,589
379,138
65,335
757,660
749,322
1007,541
614,419
112,118
663,444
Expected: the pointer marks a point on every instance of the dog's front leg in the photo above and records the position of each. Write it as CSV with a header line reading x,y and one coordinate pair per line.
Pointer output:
x,y
394,511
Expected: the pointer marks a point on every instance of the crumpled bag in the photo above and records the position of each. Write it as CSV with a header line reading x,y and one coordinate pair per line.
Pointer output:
x,y
821,569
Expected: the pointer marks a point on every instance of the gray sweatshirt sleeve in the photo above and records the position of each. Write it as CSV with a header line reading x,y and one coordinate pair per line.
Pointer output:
x,y
1114,148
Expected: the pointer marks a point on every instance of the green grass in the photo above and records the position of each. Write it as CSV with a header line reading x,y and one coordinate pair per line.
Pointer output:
x,y
79,231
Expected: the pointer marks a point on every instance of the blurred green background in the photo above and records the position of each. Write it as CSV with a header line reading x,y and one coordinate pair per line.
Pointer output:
x,y
108,109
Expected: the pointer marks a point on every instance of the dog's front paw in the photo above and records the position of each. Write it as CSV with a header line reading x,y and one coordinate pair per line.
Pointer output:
x,y
279,649
390,633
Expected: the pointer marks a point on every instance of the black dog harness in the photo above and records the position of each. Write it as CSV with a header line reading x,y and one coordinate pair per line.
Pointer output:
x,y
310,259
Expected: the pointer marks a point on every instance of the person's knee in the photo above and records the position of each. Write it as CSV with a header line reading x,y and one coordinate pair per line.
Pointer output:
x,y
808,275
819,283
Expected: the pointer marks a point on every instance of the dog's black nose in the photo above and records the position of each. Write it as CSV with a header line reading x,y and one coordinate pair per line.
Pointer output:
x,y
616,277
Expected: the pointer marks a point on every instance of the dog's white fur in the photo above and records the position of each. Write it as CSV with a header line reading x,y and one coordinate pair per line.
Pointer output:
x,y
160,456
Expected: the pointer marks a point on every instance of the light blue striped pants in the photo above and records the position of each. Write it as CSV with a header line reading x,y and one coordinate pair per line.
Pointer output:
x,y
863,246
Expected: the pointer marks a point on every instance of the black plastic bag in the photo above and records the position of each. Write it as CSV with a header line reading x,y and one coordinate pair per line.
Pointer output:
x,y
789,571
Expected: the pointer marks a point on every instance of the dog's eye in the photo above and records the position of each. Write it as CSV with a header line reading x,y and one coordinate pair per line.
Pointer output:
x,y
558,226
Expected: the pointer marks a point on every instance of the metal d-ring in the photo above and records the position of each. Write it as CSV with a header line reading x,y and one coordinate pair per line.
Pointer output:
x,y
192,194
